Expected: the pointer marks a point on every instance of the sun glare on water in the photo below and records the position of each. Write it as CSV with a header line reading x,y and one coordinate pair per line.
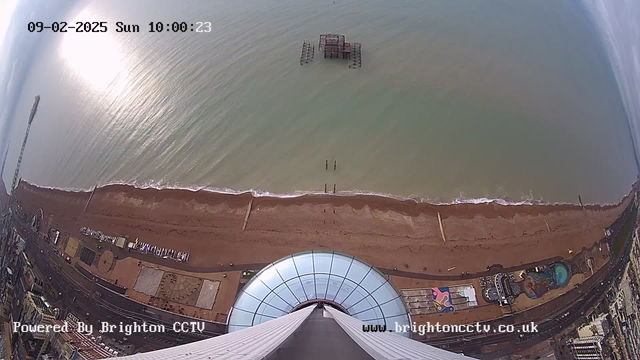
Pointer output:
x,y
6,11
97,58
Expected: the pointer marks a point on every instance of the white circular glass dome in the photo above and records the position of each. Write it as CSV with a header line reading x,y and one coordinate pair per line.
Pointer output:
x,y
342,281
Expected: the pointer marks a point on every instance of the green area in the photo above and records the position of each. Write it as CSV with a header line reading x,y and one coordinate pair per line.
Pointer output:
x,y
620,240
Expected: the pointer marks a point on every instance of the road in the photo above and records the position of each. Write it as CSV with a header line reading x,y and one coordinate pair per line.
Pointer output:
x,y
96,303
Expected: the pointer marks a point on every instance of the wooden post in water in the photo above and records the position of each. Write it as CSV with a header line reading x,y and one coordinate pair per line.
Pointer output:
x,y
335,164
580,200
326,164
246,217
441,228
334,188
584,211
325,188
90,197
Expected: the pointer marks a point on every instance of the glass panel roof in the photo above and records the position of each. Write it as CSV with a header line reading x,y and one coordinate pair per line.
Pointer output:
x,y
350,284
304,263
286,269
295,286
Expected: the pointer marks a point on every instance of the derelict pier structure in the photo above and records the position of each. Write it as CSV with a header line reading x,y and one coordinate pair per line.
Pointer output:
x,y
333,46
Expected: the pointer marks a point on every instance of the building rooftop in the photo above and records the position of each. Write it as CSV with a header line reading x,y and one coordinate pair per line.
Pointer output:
x,y
86,347
344,282
40,304
314,332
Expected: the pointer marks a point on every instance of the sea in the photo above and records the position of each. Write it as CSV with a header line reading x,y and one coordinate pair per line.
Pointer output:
x,y
455,101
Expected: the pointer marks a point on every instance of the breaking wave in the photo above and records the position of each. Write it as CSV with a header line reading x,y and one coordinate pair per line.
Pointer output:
x,y
526,200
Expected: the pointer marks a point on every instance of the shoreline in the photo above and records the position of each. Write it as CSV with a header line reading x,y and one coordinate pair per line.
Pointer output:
x,y
211,226
256,193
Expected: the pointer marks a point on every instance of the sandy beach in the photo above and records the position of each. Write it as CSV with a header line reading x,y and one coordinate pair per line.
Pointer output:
x,y
383,231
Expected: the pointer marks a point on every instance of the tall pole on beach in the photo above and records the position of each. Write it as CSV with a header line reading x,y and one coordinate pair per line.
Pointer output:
x,y
6,223
34,108
4,159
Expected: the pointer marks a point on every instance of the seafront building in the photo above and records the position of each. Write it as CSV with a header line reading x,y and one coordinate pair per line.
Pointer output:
x,y
27,304
624,309
587,348
36,311
73,344
614,329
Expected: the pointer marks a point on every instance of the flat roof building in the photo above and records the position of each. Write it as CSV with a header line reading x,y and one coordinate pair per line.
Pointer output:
x,y
36,311
587,348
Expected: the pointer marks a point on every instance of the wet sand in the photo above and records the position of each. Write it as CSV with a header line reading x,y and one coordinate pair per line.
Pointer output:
x,y
385,232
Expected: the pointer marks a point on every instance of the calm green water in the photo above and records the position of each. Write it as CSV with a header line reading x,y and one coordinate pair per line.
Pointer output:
x,y
454,99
